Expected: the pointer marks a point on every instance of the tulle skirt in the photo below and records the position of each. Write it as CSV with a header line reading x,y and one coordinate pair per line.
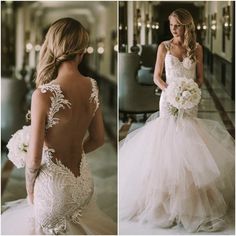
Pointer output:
x,y
18,220
171,173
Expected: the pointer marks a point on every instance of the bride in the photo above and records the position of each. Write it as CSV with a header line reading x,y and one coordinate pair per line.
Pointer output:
x,y
177,169
64,107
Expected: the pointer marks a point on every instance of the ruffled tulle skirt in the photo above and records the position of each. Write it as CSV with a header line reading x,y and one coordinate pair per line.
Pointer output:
x,y
18,219
171,173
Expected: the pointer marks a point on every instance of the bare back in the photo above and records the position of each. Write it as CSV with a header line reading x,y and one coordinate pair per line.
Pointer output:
x,y
72,109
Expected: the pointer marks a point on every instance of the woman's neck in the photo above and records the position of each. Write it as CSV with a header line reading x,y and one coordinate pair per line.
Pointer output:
x,y
178,41
68,67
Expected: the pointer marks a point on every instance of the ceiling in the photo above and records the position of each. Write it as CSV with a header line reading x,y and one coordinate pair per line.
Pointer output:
x,y
86,12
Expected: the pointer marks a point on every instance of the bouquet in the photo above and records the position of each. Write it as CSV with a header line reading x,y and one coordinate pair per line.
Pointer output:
x,y
18,146
182,94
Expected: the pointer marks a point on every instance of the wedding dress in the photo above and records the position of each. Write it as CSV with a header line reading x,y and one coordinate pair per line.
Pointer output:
x,y
176,170
63,203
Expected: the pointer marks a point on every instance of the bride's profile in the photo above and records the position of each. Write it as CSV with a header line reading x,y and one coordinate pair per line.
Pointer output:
x,y
177,169
66,123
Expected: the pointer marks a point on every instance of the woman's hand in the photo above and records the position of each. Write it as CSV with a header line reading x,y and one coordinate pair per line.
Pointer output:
x,y
199,83
161,84
30,198
165,85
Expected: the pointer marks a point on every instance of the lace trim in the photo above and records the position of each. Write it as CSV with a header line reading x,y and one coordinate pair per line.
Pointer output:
x,y
57,101
94,94
60,227
167,45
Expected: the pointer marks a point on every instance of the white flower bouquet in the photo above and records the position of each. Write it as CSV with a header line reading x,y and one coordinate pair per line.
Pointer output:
x,y
182,94
18,146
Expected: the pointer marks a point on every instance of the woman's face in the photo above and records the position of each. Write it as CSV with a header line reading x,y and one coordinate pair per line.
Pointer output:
x,y
176,29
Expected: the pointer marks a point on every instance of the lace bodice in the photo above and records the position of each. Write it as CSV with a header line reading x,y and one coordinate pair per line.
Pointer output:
x,y
59,195
175,68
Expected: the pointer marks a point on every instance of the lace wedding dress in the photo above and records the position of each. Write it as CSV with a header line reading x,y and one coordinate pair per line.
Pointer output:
x,y
176,172
63,203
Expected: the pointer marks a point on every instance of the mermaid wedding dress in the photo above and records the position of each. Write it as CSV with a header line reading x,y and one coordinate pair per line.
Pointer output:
x,y
176,172
63,203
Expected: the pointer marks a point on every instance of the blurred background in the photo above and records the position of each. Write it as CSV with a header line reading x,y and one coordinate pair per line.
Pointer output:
x,y
24,25
143,25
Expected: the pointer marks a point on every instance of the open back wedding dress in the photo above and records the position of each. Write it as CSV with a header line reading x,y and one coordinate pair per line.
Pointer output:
x,y
63,203
177,172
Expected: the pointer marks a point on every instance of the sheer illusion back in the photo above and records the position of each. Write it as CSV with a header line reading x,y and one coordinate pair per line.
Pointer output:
x,y
64,199
68,193
67,121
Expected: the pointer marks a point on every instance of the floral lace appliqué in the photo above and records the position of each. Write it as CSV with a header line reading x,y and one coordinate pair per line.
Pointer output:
x,y
60,195
94,94
57,101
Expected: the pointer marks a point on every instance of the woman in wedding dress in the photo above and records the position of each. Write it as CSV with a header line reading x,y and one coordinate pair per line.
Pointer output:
x,y
64,107
177,170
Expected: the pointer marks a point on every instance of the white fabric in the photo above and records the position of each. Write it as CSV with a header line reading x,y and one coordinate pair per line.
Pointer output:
x,y
169,175
63,203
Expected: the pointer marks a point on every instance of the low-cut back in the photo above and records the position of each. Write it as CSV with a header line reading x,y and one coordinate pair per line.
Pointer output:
x,y
63,202
69,122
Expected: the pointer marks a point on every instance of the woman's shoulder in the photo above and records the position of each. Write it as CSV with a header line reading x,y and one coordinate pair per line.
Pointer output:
x,y
165,45
90,81
40,99
198,48
44,91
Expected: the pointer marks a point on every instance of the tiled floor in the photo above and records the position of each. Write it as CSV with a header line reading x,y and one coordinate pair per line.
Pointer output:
x,y
103,165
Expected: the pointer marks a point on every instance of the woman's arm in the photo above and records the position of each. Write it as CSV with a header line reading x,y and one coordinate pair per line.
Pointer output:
x,y
96,133
199,61
39,108
161,52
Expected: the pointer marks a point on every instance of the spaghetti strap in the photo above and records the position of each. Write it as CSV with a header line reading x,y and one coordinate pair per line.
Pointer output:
x,y
167,45
197,44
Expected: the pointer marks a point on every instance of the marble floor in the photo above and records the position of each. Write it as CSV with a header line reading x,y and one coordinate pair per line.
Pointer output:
x,y
216,105
103,163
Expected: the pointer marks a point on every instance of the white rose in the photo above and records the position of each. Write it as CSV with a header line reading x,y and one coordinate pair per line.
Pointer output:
x,y
186,94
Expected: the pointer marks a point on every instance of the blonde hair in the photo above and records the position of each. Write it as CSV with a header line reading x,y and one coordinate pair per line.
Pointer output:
x,y
65,38
185,18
